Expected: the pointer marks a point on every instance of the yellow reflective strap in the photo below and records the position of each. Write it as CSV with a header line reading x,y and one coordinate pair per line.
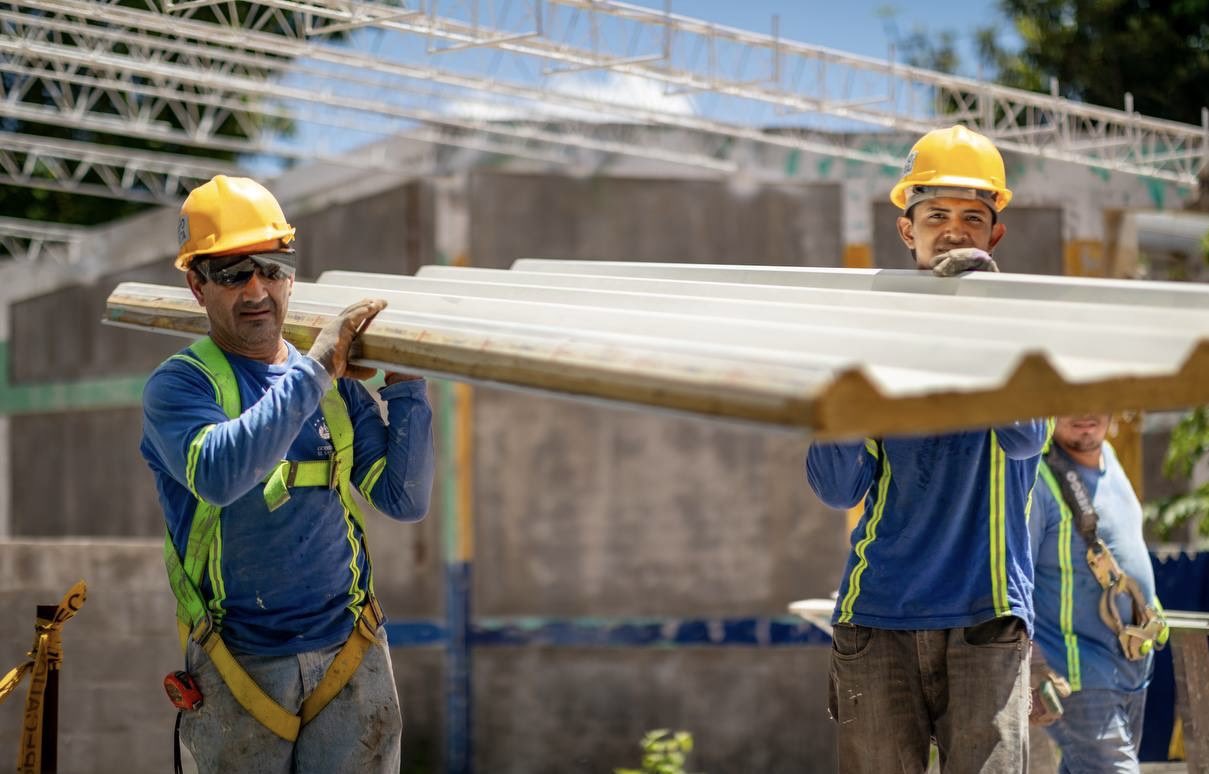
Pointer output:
x,y
251,696
290,474
371,478
335,414
345,664
997,527
879,509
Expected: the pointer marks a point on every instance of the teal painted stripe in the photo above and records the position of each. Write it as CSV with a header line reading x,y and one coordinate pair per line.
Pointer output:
x,y
50,397
101,393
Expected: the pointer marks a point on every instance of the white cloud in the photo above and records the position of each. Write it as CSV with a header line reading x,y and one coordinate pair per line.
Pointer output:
x,y
608,88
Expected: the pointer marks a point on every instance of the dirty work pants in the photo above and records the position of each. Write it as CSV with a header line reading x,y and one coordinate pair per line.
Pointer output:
x,y
359,731
1100,731
892,692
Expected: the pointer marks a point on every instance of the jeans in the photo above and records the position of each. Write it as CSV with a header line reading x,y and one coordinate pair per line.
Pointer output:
x,y
1100,731
893,692
359,731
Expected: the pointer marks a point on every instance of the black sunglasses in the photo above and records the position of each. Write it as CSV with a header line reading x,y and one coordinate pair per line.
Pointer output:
x,y
272,266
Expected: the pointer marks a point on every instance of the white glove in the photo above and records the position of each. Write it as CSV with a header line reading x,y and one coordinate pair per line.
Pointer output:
x,y
961,260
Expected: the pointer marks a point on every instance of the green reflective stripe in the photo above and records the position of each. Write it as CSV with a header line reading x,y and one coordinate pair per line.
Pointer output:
x,y
871,447
195,447
371,478
335,414
879,509
998,538
1066,593
217,587
356,596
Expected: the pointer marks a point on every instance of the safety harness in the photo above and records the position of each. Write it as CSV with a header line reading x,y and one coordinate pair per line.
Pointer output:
x,y
201,620
1148,629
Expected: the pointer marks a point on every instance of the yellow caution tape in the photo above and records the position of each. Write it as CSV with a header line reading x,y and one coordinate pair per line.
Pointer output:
x,y
45,655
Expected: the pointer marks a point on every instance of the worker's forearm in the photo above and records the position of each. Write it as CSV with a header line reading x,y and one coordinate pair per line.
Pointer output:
x,y
404,488
237,454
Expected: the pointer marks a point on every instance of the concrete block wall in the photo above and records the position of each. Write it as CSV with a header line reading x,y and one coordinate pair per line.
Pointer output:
x,y
114,717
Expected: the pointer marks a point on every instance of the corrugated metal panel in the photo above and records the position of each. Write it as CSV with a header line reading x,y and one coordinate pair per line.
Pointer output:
x,y
839,352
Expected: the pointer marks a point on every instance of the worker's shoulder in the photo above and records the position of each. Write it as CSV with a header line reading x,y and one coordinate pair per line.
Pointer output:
x,y
181,371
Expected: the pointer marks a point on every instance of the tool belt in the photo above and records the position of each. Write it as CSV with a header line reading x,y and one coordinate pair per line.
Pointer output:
x,y
1148,628
263,707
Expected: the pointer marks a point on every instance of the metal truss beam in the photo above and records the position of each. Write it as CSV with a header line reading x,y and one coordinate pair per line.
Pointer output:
x,y
692,55
28,240
88,168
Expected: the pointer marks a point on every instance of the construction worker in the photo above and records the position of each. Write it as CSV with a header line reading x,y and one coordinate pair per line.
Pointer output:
x,y
1098,620
256,448
933,616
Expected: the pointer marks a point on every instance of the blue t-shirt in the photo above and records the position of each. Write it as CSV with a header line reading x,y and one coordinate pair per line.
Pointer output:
x,y
291,577
1075,641
943,540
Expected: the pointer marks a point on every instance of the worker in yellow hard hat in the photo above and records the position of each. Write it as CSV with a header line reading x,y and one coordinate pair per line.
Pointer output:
x,y
951,193
256,449
934,612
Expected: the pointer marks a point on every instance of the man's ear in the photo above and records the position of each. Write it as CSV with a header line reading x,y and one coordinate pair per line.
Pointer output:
x,y
997,232
906,231
195,286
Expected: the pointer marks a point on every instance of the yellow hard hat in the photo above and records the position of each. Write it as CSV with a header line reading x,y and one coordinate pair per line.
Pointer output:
x,y
227,213
953,158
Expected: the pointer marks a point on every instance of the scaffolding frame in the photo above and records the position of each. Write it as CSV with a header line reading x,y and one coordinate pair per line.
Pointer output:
x,y
196,74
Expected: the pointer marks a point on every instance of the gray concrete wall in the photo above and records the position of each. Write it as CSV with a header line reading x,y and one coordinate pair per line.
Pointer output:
x,y
591,511
633,219
1033,243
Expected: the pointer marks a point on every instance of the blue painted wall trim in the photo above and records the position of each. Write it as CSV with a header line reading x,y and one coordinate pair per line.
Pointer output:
x,y
595,632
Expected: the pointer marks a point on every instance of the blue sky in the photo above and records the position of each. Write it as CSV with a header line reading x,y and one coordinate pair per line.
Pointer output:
x,y
851,26
861,27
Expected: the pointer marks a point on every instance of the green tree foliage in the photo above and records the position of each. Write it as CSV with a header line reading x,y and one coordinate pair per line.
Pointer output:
x,y
1097,50
74,208
663,752
1157,50
1189,444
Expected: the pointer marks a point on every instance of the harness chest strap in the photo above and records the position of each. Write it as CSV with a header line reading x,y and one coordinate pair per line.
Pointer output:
x,y
1148,628
201,620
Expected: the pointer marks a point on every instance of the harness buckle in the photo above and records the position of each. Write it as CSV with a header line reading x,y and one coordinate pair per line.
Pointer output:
x,y
203,630
291,473
1102,564
333,477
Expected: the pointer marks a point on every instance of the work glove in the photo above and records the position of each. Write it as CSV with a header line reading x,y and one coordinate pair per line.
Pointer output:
x,y
332,345
1047,690
961,260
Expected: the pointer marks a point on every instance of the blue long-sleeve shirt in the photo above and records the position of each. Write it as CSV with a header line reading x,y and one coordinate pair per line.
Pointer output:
x,y
290,575
943,541
1071,635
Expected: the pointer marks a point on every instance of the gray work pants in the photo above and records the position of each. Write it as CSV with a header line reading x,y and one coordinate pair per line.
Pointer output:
x,y
893,692
359,732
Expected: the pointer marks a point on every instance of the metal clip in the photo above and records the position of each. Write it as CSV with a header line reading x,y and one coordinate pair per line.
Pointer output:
x,y
333,478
